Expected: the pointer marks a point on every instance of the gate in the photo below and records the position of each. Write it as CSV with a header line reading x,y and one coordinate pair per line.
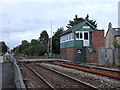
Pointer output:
x,y
106,56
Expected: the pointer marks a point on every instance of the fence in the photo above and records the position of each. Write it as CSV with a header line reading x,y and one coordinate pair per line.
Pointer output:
x,y
109,56
18,77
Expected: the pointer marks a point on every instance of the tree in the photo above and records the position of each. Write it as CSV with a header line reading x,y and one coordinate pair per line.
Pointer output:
x,y
24,45
115,43
24,41
77,20
44,36
16,50
34,41
56,41
3,48
87,17
91,21
35,48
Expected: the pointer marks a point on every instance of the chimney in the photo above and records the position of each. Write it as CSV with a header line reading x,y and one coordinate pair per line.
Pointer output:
x,y
109,25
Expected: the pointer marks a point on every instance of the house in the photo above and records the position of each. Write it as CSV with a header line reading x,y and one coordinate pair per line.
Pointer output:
x,y
112,46
112,35
81,43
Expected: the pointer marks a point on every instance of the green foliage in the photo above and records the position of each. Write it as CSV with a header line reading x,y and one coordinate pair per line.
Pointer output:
x,y
35,47
115,44
34,41
3,48
91,21
44,36
77,20
24,41
16,50
56,41
24,45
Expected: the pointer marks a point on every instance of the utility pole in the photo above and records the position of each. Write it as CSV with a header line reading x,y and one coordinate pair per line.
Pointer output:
x,y
119,14
50,44
51,39
8,36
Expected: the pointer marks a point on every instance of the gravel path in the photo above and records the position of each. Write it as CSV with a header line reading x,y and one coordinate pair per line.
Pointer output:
x,y
93,79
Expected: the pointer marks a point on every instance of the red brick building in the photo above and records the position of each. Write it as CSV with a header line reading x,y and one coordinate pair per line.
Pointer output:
x,y
81,43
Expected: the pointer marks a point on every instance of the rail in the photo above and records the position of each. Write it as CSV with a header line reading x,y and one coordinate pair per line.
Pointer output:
x,y
95,71
40,77
65,75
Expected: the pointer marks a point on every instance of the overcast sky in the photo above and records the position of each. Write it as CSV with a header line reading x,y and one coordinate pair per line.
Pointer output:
x,y
25,20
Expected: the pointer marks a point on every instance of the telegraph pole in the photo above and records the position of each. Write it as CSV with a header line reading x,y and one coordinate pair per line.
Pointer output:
x,y
51,39
50,44
119,14
8,36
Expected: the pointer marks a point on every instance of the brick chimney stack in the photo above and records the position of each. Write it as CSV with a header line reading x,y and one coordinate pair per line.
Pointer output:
x,y
109,25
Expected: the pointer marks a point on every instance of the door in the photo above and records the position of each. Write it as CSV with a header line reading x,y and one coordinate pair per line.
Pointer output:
x,y
79,55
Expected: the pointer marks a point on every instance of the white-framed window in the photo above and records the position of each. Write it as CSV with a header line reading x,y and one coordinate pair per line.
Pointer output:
x,y
67,37
72,36
85,35
82,35
77,36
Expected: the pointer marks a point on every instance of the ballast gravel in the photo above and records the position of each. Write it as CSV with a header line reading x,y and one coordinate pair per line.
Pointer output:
x,y
99,81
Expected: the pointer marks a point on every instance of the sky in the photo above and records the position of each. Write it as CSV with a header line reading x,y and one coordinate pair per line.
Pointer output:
x,y
26,19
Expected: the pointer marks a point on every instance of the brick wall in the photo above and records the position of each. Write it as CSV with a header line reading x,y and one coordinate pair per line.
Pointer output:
x,y
97,42
63,53
98,38
67,53
70,53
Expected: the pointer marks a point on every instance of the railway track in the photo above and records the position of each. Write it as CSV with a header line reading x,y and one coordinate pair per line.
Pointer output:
x,y
57,79
44,83
110,73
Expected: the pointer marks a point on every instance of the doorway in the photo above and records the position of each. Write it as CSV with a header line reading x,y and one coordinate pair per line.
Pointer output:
x,y
79,55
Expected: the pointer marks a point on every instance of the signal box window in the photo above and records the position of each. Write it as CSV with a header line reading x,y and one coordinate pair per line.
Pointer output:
x,y
86,36
77,35
81,36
